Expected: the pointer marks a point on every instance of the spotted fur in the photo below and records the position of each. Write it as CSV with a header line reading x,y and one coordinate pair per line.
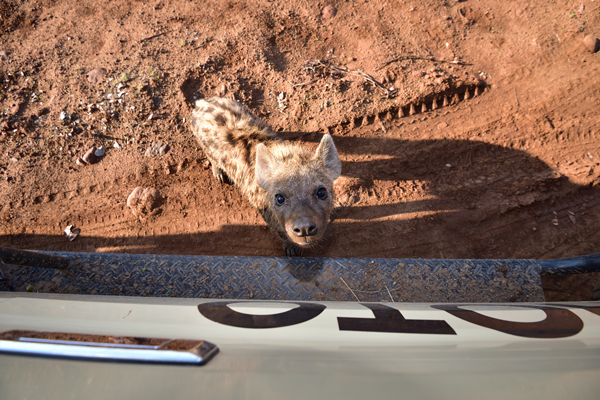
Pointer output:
x,y
245,151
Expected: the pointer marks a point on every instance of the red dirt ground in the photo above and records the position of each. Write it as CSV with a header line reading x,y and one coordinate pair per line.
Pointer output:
x,y
506,165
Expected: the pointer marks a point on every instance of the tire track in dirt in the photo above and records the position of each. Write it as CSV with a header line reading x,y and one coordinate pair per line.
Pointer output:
x,y
582,198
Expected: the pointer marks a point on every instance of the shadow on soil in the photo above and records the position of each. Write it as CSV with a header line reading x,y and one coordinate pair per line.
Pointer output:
x,y
482,203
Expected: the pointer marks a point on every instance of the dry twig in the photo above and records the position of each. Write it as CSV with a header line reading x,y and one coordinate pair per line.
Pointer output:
x,y
304,83
413,57
154,36
390,294
351,291
312,65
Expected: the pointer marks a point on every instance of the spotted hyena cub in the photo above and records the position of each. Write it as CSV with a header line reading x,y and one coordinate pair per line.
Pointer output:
x,y
290,186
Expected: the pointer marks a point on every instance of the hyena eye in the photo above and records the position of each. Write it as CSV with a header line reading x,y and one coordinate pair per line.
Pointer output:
x,y
279,199
322,193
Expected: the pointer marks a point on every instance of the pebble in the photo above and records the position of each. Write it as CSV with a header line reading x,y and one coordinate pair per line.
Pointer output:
x,y
592,43
90,156
100,151
96,75
63,115
281,101
71,233
156,149
329,12
221,90
116,145
144,201
4,55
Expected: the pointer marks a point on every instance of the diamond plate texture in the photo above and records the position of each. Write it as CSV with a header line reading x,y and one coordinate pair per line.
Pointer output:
x,y
278,278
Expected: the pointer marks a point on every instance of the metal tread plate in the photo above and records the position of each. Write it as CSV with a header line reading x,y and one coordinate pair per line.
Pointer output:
x,y
279,278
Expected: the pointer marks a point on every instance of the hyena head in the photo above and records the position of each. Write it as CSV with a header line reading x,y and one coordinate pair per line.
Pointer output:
x,y
299,186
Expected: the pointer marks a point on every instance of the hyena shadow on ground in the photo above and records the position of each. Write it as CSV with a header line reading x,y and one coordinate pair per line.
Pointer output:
x,y
450,198
476,172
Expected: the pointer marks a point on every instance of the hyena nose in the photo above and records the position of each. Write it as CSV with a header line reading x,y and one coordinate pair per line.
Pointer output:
x,y
304,227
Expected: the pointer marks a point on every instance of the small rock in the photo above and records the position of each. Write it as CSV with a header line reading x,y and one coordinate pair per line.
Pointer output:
x,y
71,233
329,12
90,156
221,90
100,151
116,145
592,43
80,162
281,101
144,201
206,164
572,217
96,75
182,164
581,9
4,55
526,199
63,115
157,148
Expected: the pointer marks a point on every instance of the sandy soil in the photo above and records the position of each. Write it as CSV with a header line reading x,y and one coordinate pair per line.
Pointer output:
x,y
492,151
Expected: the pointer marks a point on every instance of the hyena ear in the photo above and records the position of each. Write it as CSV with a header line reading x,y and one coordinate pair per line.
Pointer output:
x,y
327,153
264,165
